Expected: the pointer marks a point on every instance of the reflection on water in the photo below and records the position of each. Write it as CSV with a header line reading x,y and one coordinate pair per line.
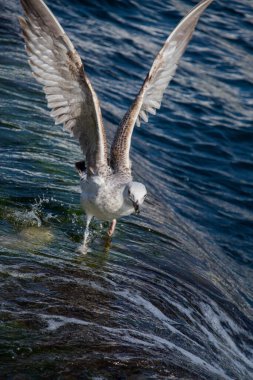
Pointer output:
x,y
172,297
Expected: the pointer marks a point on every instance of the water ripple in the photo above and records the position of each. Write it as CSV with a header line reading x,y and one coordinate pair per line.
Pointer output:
x,y
173,299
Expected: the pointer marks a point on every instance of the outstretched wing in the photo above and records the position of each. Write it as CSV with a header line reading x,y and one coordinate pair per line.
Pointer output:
x,y
58,67
150,96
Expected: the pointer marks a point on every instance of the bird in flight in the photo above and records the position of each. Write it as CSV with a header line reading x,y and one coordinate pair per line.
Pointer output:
x,y
108,191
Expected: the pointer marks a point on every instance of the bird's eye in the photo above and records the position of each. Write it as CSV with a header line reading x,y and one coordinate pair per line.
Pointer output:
x,y
129,192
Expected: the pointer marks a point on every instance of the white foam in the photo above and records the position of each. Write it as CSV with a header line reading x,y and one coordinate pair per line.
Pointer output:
x,y
56,321
157,341
215,316
153,310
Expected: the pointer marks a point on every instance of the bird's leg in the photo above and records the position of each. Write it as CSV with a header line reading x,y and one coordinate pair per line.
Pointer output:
x,y
112,227
86,232
84,247
109,235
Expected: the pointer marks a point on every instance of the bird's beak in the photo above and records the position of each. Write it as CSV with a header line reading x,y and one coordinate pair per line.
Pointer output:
x,y
136,207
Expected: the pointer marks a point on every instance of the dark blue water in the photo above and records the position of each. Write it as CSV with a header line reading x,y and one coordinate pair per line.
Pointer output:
x,y
172,298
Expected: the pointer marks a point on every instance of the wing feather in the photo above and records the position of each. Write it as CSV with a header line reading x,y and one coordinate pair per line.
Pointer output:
x,y
150,96
58,67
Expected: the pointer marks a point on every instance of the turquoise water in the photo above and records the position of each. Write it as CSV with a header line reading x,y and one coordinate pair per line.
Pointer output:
x,y
172,297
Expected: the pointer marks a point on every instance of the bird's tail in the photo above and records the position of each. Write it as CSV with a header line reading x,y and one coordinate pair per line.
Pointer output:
x,y
81,168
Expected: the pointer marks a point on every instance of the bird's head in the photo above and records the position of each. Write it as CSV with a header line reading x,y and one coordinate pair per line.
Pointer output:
x,y
135,193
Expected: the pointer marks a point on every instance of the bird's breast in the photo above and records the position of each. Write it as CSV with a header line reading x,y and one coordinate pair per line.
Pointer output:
x,y
104,200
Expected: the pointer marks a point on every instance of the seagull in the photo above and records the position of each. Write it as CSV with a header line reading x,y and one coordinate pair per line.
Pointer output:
x,y
108,190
